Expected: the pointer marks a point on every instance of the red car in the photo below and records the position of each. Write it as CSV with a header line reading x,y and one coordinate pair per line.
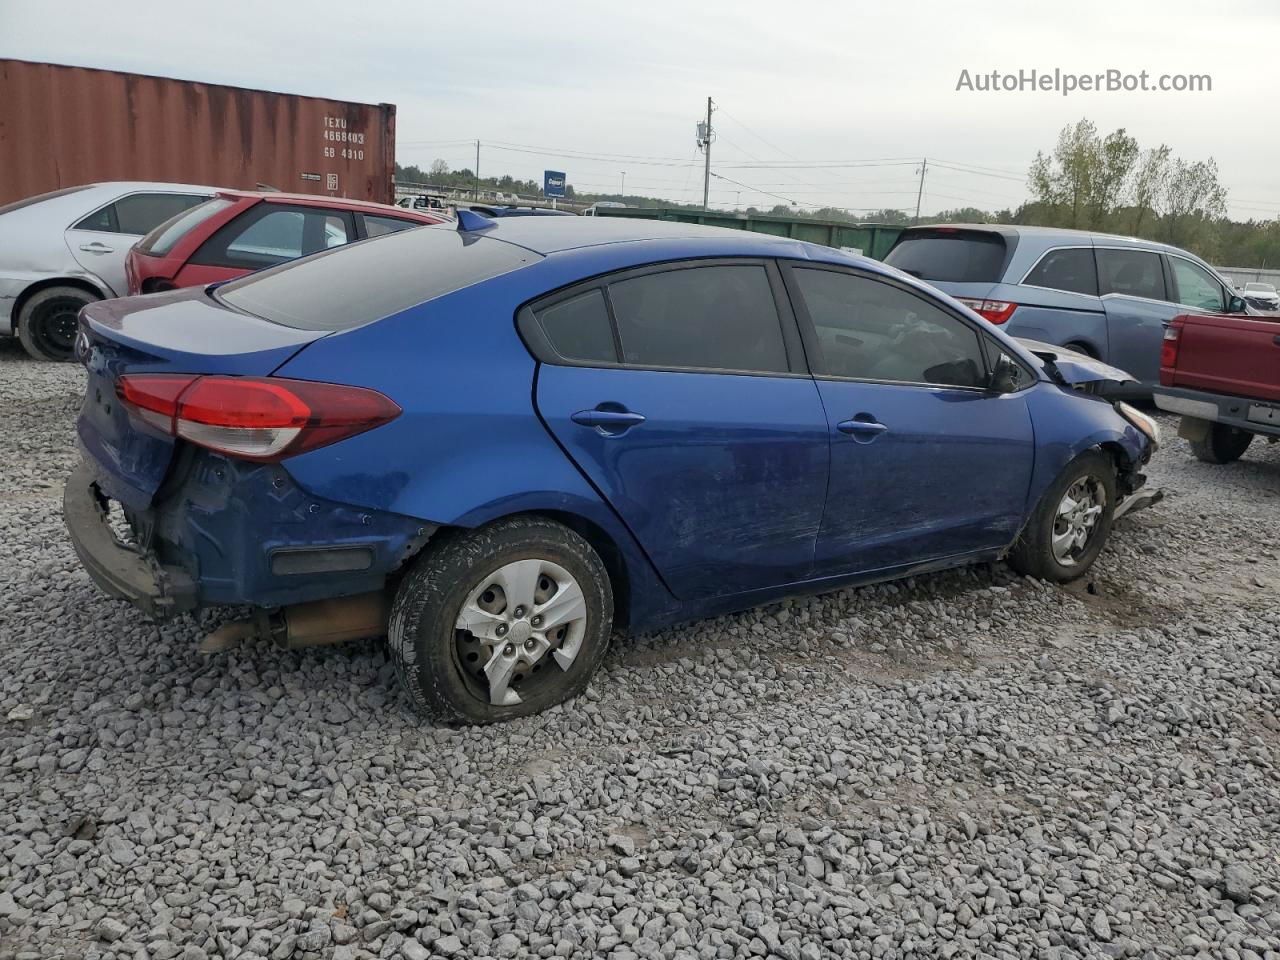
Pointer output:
x,y
240,231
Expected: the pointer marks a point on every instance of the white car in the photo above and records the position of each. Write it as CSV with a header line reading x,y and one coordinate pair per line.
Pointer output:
x,y
1261,295
61,250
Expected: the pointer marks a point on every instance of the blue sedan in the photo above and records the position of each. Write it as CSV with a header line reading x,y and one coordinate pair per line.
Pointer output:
x,y
494,444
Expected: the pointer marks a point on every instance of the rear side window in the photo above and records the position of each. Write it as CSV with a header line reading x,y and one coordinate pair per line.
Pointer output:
x,y
960,256
1071,269
269,234
579,328
139,213
381,226
871,330
715,317
1130,273
357,284
163,238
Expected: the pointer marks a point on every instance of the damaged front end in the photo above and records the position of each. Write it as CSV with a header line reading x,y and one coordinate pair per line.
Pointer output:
x,y
1082,372
1095,378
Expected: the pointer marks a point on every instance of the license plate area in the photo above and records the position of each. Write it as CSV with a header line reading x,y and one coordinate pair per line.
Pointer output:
x,y
1263,413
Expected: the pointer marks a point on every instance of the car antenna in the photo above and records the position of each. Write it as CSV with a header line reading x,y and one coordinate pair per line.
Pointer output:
x,y
469,220
267,187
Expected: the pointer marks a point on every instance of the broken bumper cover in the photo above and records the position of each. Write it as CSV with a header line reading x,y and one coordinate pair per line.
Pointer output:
x,y
1139,500
120,569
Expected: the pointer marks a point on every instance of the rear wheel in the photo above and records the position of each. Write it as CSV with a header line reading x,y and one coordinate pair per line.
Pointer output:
x,y
1221,444
501,622
1071,523
47,322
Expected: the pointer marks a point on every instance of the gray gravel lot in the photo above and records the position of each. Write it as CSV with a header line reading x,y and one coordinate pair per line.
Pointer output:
x,y
965,765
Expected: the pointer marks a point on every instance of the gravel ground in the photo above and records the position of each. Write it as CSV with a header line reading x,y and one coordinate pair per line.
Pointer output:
x,y
965,765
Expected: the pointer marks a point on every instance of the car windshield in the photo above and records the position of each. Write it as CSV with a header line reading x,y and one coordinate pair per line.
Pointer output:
x,y
358,283
164,237
1260,287
966,256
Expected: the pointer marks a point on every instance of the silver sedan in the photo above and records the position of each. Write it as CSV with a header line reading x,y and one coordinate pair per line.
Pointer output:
x,y
61,250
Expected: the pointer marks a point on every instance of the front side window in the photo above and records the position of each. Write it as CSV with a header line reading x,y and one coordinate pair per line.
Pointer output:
x,y
719,317
1130,273
269,234
139,213
1071,269
1196,287
871,330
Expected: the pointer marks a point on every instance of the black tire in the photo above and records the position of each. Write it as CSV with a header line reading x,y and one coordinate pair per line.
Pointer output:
x,y
1033,555
47,322
1221,444
441,666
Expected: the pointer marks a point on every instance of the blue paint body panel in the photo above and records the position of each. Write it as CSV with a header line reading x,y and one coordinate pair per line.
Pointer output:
x,y
735,489
949,475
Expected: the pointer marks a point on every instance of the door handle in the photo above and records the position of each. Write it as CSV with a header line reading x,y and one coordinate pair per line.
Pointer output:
x,y
96,247
607,421
862,429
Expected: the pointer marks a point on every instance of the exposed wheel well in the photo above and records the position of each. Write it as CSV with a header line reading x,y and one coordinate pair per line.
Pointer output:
x,y
1124,465
39,285
609,553
600,541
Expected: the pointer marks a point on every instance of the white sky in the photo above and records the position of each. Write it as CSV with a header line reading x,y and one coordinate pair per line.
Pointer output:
x,y
845,80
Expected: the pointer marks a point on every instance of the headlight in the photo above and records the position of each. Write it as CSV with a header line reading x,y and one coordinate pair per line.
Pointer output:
x,y
1140,420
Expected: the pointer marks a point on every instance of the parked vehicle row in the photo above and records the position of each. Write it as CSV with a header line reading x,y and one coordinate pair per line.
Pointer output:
x,y
62,250
568,424
1110,297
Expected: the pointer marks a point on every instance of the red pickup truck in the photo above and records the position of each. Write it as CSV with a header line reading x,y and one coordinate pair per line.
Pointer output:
x,y
1222,373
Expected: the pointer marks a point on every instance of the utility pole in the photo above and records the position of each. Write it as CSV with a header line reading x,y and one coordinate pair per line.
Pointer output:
x,y
924,163
475,188
624,186
706,172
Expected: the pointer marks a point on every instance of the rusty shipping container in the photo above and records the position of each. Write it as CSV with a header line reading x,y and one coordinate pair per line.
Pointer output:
x,y
61,126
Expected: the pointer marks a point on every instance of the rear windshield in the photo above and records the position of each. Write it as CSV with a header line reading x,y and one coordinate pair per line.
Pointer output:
x,y
162,239
40,198
962,256
361,282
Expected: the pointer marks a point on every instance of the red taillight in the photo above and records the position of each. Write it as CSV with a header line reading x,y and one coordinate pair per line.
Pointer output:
x,y
994,311
254,418
1169,347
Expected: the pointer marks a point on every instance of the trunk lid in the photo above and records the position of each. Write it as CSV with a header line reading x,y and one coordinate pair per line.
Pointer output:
x,y
184,331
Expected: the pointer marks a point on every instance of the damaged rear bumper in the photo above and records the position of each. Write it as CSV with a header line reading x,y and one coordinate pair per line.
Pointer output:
x,y
122,570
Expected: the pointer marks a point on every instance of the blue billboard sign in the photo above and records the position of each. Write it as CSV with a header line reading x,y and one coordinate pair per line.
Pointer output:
x,y
553,183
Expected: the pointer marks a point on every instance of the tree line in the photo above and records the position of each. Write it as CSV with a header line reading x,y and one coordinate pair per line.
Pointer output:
x,y
1088,181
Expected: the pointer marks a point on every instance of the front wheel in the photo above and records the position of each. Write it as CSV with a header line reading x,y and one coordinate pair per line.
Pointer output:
x,y
501,622
1221,444
1071,523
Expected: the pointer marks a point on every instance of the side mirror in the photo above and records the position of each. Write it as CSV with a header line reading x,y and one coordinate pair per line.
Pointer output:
x,y
1236,305
1006,376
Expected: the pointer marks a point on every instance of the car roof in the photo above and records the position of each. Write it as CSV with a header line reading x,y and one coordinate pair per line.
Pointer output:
x,y
549,235
346,203
1050,234
132,186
